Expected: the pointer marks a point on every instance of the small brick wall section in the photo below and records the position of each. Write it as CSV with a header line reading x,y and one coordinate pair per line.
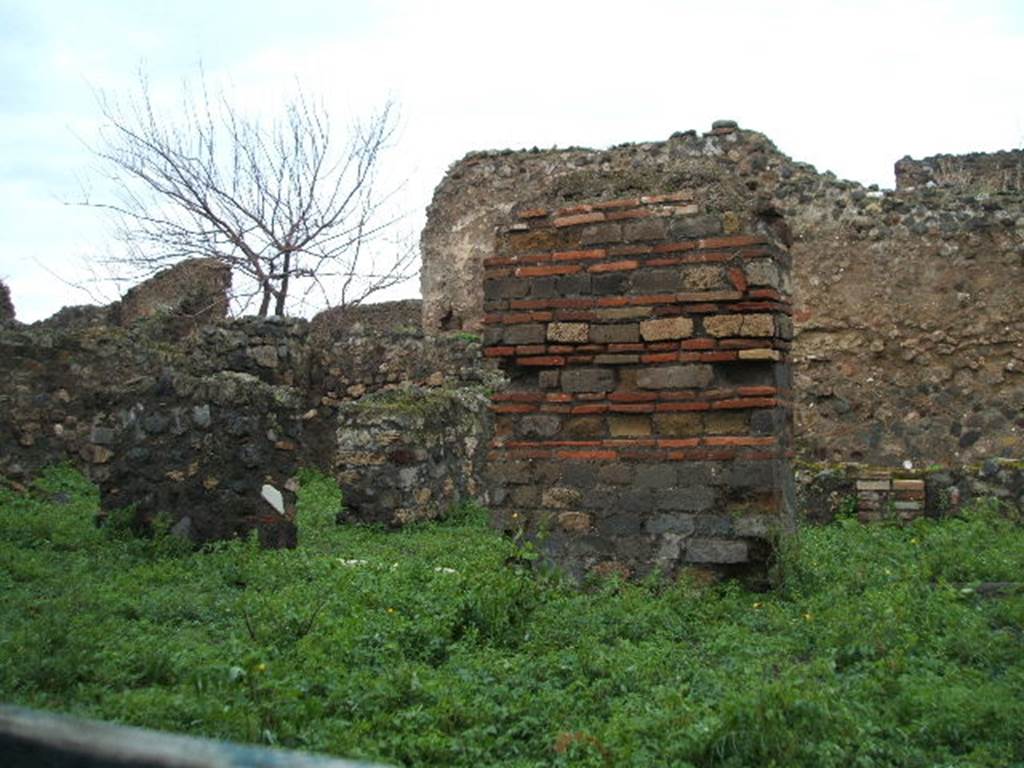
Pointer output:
x,y
648,423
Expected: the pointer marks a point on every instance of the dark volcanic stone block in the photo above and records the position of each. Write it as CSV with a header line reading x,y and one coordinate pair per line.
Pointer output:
x,y
588,380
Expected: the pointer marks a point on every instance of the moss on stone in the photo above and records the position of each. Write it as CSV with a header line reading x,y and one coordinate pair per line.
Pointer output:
x,y
418,401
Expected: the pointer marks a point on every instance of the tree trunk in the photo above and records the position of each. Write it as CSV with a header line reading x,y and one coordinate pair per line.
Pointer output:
x,y
282,293
265,303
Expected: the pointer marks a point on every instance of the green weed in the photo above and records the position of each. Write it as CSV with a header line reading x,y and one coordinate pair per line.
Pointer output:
x,y
433,645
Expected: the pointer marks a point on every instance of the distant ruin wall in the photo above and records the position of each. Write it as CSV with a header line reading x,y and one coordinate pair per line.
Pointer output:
x,y
875,493
647,423
908,343
978,172
196,289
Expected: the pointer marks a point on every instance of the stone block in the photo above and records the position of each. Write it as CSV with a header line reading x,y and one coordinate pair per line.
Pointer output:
x,y
905,485
727,423
675,377
506,288
723,325
763,273
758,325
578,474
669,550
662,523
524,496
620,333
620,524
687,498
750,474
622,313
639,501
908,506
629,425
543,287
527,333
644,229
609,284
702,278
102,436
655,281
265,356
678,424
514,472
716,551
625,359
709,525
603,232
685,228
600,498
767,355
548,379
588,380
755,526
569,333
784,327
657,476
583,426
575,522
561,497
666,328
698,473
767,421
616,473
539,425
873,485
740,325
493,334
573,285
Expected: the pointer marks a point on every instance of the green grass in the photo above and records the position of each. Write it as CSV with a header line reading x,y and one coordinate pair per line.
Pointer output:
x,y
436,646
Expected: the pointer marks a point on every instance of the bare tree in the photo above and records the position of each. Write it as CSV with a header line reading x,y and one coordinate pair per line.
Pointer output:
x,y
290,209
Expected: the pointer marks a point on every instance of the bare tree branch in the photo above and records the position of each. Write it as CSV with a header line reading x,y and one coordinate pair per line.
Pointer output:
x,y
284,205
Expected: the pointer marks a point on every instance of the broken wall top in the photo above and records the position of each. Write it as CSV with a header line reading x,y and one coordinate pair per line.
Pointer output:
x,y
977,172
731,169
908,344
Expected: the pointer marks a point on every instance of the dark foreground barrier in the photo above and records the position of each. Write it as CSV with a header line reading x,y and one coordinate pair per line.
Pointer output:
x,y
30,738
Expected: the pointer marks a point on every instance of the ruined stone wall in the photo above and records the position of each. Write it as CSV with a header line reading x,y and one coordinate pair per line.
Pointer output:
x,y
873,493
908,343
195,289
6,306
978,172
647,423
408,454
192,421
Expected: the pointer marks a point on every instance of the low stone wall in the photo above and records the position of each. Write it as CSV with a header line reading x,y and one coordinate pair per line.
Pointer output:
x,y
385,317
647,423
880,493
200,450
984,172
193,421
350,365
406,454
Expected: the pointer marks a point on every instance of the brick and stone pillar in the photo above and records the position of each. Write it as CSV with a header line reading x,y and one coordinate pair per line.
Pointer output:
x,y
648,420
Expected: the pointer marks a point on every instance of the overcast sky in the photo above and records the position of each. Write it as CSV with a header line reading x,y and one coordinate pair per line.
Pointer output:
x,y
848,86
